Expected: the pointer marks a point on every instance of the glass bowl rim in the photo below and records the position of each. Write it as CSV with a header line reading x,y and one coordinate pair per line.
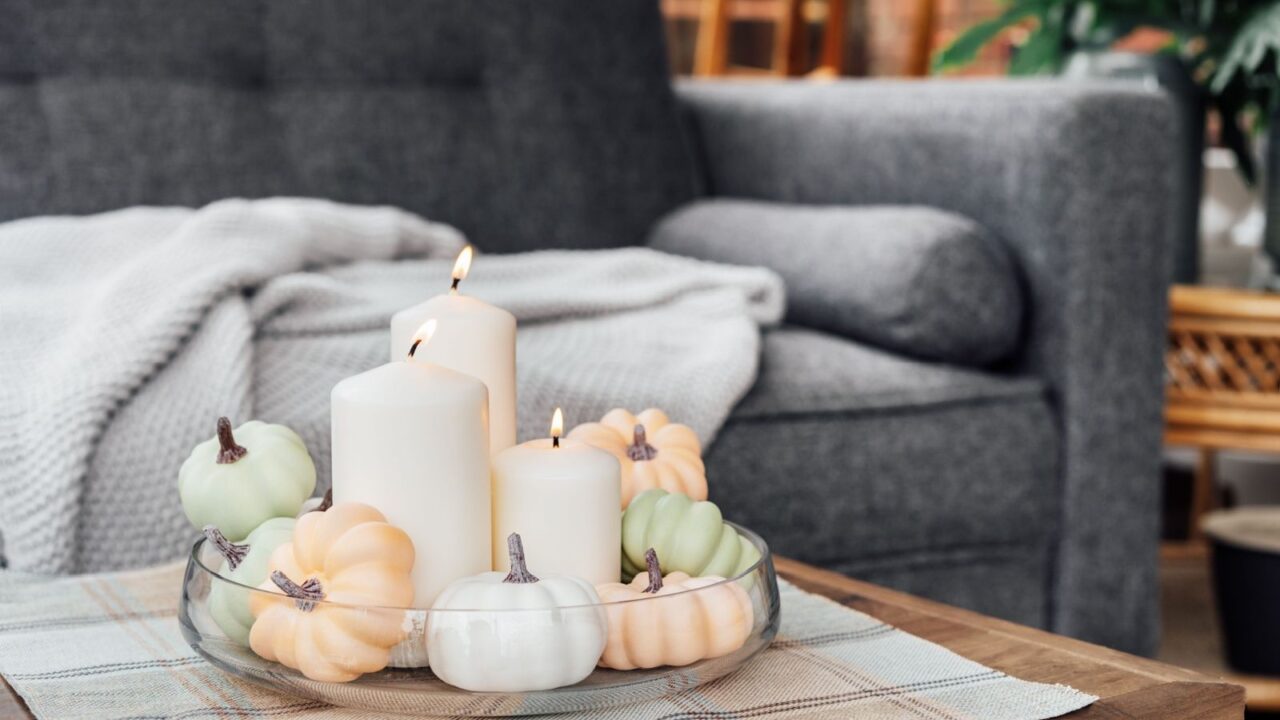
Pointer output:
x,y
750,535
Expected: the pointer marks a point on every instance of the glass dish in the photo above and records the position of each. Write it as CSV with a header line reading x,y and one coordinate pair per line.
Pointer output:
x,y
419,691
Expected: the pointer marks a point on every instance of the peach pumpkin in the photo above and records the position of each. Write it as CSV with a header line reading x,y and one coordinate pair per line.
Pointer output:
x,y
654,452
359,565
673,626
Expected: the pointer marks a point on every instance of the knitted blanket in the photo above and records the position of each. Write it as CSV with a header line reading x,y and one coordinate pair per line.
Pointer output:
x,y
123,336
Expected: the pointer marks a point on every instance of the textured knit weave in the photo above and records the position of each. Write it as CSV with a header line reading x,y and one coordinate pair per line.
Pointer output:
x,y
108,646
127,334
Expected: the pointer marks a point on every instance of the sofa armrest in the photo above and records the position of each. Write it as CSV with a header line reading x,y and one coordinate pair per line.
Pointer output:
x,y
1077,179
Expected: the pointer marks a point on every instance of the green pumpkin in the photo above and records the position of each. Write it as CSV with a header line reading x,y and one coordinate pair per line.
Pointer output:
x,y
237,482
689,536
228,604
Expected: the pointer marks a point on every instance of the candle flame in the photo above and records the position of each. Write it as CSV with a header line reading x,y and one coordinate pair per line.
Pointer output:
x,y
423,335
462,266
557,425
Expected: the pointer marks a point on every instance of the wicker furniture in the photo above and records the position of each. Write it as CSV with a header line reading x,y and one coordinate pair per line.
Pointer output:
x,y
1222,378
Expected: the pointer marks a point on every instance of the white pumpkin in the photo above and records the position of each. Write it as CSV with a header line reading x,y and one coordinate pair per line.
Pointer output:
x,y
236,482
556,641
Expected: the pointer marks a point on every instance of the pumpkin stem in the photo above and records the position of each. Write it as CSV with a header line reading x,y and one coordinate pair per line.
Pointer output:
x,y
639,449
655,572
231,551
326,502
519,570
304,595
230,451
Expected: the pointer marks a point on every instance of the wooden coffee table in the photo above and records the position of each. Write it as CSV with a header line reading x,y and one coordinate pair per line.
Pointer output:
x,y
1128,686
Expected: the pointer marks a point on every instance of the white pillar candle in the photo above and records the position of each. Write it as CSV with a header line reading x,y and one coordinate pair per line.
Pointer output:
x,y
562,497
472,337
411,439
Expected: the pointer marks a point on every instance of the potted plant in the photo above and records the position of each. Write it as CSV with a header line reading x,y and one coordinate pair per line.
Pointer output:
x,y
1229,48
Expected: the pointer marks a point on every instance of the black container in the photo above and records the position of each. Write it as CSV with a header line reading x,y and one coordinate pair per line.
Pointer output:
x,y
1246,578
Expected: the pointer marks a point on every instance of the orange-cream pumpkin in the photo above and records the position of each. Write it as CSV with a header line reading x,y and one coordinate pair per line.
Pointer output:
x,y
672,626
654,452
345,556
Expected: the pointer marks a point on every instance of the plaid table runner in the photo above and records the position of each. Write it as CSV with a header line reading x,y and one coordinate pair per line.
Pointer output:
x,y
108,646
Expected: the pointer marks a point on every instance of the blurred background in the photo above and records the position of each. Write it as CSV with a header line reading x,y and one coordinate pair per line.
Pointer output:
x,y
1217,62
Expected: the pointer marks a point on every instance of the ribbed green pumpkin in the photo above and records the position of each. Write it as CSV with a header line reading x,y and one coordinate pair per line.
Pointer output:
x,y
228,604
690,536
235,487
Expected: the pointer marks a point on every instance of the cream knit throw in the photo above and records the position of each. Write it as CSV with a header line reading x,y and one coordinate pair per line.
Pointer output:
x,y
123,336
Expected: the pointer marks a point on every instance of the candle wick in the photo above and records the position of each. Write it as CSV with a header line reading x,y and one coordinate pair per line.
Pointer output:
x,y
555,441
414,347
453,289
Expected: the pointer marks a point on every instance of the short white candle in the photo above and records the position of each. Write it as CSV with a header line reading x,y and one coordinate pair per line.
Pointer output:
x,y
410,438
562,497
472,337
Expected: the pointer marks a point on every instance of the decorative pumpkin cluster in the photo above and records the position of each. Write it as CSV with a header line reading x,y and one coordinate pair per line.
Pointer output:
x,y
334,578
673,540
244,497
331,577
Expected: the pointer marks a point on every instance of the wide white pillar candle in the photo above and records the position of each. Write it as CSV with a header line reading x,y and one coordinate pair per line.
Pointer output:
x,y
411,439
472,337
562,497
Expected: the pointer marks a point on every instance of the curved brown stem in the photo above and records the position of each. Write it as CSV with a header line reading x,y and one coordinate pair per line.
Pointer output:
x,y
655,572
519,570
326,502
229,451
640,449
304,595
234,553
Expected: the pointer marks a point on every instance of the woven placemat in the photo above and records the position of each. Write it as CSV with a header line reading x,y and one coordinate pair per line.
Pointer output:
x,y
108,646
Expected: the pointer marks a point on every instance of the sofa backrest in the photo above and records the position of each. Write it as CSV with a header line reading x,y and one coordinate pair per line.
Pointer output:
x,y
526,123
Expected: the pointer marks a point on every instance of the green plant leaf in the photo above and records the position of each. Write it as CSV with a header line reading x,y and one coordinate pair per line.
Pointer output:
x,y
1042,52
965,48
1257,37
1207,8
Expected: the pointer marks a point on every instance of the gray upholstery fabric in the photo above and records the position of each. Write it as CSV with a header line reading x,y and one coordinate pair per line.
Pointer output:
x,y
524,122
921,281
897,470
1075,178
550,123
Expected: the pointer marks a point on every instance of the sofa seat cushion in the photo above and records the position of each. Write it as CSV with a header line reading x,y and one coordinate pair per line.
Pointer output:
x,y
913,279
897,470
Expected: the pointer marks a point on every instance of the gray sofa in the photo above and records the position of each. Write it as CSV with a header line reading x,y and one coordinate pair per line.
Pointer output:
x,y
1020,482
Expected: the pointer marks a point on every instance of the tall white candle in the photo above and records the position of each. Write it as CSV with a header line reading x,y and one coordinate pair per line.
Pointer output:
x,y
562,497
472,337
411,439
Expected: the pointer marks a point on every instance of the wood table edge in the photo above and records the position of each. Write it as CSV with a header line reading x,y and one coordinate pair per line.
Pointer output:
x,y
1215,693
